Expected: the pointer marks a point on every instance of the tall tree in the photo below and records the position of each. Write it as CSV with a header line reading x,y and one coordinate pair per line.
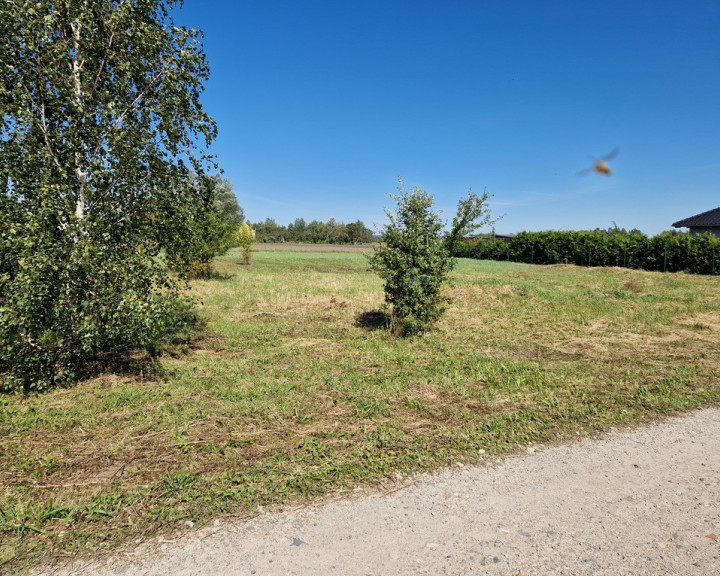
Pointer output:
x,y
202,226
358,233
101,123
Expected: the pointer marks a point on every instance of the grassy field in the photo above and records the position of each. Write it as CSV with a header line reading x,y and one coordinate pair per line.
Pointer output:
x,y
293,390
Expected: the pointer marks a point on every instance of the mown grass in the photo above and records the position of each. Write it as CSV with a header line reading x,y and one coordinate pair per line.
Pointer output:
x,y
293,390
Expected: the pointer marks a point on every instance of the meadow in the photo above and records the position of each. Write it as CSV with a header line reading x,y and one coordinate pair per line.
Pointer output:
x,y
291,389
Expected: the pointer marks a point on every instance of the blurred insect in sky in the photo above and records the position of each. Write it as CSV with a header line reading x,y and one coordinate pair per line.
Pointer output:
x,y
601,166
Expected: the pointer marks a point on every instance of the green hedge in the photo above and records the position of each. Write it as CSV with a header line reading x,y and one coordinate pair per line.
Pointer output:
x,y
667,252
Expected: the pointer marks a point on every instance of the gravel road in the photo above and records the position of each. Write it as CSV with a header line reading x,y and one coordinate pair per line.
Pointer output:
x,y
637,502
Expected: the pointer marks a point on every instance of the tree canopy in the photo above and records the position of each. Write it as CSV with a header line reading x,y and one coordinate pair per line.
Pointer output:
x,y
101,124
314,232
201,226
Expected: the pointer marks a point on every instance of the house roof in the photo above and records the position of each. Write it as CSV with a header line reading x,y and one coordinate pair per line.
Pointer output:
x,y
710,218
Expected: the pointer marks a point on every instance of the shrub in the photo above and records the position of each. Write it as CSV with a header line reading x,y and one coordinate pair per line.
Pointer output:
x,y
200,227
245,238
413,262
414,259
66,301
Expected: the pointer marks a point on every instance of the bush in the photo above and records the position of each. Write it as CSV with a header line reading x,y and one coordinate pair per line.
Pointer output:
x,y
64,301
414,259
413,262
200,227
245,238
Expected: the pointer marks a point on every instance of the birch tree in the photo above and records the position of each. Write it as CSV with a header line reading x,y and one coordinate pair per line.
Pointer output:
x,y
101,122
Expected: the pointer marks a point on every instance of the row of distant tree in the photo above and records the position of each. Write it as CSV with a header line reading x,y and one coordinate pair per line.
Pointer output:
x,y
313,232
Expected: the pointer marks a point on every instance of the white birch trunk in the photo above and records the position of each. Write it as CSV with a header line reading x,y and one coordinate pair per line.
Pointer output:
x,y
80,174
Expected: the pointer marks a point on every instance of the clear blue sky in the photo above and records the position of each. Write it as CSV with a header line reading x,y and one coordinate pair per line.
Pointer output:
x,y
321,104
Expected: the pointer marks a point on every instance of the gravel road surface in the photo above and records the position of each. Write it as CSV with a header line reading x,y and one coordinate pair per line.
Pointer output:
x,y
640,502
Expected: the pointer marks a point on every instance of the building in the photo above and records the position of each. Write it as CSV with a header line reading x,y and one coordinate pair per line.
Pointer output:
x,y
701,223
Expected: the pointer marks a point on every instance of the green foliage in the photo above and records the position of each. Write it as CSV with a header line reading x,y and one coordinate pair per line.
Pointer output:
x,y
358,233
472,214
65,301
414,259
226,205
485,247
245,238
314,232
666,252
101,114
200,224
413,262
271,231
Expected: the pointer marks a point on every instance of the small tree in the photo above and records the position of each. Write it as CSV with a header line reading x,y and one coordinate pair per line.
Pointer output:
x,y
245,238
414,260
472,214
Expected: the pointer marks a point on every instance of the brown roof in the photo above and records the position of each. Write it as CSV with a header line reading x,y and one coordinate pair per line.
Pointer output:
x,y
706,219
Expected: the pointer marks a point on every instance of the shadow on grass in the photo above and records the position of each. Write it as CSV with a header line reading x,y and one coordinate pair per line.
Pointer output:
x,y
215,275
134,363
144,364
373,320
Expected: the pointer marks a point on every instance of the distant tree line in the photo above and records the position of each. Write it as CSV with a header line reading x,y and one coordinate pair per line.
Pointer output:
x,y
671,251
314,232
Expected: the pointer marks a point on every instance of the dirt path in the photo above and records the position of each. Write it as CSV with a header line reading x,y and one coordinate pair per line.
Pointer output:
x,y
640,502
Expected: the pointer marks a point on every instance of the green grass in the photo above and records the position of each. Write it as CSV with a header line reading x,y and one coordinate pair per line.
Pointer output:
x,y
289,393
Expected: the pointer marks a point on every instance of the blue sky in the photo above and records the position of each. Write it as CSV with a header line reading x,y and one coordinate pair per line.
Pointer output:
x,y
321,105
